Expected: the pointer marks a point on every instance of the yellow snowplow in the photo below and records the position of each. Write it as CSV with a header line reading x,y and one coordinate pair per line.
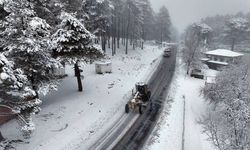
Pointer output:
x,y
140,100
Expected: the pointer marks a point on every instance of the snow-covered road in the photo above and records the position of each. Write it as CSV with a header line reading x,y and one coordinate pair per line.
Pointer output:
x,y
169,132
159,82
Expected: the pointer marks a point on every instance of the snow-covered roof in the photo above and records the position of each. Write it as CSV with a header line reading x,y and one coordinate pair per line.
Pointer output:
x,y
204,59
103,62
224,52
218,62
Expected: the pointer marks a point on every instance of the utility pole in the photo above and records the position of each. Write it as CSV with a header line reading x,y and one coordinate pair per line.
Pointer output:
x,y
184,118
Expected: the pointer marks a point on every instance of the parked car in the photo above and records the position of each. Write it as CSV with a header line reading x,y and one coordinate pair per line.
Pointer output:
x,y
197,73
167,52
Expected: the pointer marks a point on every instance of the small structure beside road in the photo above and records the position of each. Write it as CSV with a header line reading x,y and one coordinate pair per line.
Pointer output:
x,y
103,67
210,80
218,58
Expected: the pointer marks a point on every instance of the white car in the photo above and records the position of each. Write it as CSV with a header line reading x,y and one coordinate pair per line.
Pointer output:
x,y
197,73
167,52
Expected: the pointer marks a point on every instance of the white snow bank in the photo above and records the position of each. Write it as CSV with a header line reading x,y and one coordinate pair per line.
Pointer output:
x,y
4,76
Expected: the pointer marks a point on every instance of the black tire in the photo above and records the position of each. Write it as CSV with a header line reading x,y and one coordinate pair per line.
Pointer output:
x,y
141,109
149,95
151,106
127,108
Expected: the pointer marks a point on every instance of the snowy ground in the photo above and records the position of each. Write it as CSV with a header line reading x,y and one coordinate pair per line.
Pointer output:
x,y
69,118
169,131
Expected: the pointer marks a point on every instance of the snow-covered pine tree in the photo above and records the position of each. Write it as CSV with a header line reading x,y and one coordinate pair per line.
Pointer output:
x,y
137,22
99,18
163,23
72,42
133,22
26,42
116,29
148,20
236,30
48,10
204,33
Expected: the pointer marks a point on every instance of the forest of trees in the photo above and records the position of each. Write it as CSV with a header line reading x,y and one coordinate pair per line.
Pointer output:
x,y
113,22
222,31
230,31
39,35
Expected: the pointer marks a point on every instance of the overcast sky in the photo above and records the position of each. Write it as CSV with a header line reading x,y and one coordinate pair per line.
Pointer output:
x,y
184,12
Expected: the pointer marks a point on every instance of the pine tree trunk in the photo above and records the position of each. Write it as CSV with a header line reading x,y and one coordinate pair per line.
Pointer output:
x,y
79,81
122,31
126,46
113,34
1,137
161,38
118,42
33,85
37,94
114,45
75,69
118,32
109,42
127,34
233,43
103,40
78,77
104,43
188,67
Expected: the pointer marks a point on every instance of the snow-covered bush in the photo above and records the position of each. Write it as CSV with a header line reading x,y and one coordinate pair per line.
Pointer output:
x,y
12,81
228,123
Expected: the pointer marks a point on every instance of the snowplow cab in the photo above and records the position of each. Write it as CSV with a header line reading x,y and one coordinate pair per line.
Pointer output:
x,y
141,87
143,90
